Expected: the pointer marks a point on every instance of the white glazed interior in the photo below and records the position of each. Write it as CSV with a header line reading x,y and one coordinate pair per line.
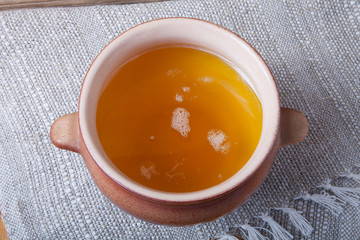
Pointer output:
x,y
177,31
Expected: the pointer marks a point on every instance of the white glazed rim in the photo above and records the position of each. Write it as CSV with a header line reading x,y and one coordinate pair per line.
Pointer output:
x,y
265,89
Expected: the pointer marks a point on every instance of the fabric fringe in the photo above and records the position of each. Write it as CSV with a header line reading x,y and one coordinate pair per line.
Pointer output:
x,y
252,233
334,203
346,194
351,176
278,232
228,237
298,220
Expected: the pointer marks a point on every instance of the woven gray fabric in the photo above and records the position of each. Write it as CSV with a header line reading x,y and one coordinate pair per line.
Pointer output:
x,y
311,47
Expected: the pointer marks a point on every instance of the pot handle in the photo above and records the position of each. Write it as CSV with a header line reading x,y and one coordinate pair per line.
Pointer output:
x,y
65,132
293,126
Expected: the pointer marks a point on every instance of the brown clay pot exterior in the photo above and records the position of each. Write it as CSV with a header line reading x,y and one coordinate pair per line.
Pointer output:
x,y
65,134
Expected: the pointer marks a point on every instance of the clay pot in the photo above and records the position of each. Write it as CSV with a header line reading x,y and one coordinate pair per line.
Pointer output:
x,y
77,131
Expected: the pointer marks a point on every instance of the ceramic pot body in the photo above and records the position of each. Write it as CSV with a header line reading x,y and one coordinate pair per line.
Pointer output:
x,y
77,131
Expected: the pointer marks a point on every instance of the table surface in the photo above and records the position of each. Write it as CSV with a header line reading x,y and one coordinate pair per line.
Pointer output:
x,y
312,51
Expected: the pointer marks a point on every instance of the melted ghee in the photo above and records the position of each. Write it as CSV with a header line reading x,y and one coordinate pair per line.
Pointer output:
x,y
178,119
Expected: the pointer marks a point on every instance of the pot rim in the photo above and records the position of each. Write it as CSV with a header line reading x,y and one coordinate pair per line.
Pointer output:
x,y
265,145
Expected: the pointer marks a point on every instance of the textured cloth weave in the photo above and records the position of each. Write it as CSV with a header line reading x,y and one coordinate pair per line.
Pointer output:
x,y
311,47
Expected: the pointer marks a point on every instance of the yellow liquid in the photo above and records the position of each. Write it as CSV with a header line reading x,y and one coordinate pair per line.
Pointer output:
x,y
178,119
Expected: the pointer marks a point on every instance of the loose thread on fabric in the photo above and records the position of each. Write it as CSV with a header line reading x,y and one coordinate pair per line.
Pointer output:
x,y
251,233
278,232
346,194
298,220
